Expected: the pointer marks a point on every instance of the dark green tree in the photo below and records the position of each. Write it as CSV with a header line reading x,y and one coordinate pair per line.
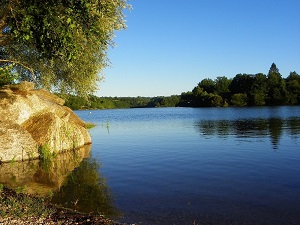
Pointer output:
x,y
276,87
259,90
239,99
215,100
207,85
293,88
186,99
222,87
241,83
200,97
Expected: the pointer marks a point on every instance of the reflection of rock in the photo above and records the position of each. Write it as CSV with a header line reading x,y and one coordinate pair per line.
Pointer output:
x,y
85,190
42,178
32,118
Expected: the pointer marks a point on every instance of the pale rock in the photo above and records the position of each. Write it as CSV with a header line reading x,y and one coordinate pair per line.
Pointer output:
x,y
16,143
30,119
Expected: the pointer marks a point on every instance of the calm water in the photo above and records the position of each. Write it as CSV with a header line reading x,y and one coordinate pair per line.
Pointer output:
x,y
201,166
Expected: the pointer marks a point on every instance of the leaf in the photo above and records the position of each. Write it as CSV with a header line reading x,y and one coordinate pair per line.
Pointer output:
x,y
27,37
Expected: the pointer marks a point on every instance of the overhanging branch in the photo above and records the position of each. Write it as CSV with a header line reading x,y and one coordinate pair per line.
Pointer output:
x,y
21,64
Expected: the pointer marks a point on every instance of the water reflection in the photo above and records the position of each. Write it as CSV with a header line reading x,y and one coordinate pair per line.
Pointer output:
x,y
71,178
42,178
273,128
86,191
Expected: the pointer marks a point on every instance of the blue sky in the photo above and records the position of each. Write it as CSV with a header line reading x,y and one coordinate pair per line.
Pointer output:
x,y
169,46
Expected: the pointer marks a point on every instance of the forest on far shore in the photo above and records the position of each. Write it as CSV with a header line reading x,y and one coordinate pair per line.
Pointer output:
x,y
242,90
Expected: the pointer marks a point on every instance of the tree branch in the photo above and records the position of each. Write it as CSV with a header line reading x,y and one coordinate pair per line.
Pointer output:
x,y
21,64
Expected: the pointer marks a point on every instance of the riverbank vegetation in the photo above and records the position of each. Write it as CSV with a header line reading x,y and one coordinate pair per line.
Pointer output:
x,y
242,90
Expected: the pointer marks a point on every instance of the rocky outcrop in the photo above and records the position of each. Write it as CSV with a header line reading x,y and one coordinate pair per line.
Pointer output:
x,y
31,119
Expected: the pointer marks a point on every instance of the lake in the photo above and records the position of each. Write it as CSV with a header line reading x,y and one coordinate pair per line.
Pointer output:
x,y
200,165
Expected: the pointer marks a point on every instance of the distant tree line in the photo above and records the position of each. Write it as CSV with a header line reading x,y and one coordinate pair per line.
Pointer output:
x,y
95,102
245,90
242,90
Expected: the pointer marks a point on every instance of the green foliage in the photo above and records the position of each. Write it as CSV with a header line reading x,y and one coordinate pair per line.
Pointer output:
x,y
241,83
7,76
162,101
245,90
222,87
239,99
208,85
62,45
276,87
259,89
94,102
45,152
215,100
89,125
46,157
293,88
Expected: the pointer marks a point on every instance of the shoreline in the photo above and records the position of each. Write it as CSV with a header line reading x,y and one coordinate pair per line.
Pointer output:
x,y
18,208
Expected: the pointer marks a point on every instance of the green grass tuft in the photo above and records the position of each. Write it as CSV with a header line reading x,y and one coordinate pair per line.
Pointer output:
x,y
89,125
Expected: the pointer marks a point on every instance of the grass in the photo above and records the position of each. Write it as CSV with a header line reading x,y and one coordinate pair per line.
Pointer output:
x,y
17,205
45,153
89,125
46,157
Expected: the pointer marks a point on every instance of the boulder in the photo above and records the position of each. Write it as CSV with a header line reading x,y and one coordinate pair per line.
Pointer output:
x,y
16,143
32,119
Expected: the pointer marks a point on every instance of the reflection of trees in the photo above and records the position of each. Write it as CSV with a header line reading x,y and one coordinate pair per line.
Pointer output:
x,y
223,128
250,128
294,124
207,127
86,191
275,129
254,128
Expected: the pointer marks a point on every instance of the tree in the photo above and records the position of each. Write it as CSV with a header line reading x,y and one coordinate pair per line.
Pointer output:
x,y
293,88
222,87
186,99
273,69
59,44
215,100
241,83
200,97
259,90
239,99
207,85
276,85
